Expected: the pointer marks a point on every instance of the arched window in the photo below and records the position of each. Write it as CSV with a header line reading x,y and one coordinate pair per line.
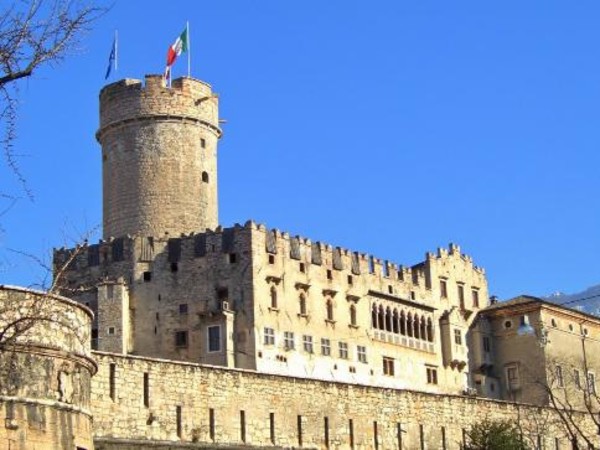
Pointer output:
x,y
409,325
429,330
395,327
416,325
381,318
352,315
273,297
388,319
329,309
374,316
402,323
302,304
423,329
205,177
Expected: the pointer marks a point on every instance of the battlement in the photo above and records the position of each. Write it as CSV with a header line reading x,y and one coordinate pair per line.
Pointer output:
x,y
130,99
453,251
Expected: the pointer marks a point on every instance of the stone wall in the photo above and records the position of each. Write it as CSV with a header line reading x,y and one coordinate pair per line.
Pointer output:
x,y
157,402
45,371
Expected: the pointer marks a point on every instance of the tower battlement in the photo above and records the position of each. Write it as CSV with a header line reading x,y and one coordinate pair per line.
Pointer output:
x,y
159,157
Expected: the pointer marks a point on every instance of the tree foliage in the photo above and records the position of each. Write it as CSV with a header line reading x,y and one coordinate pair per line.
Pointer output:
x,y
495,435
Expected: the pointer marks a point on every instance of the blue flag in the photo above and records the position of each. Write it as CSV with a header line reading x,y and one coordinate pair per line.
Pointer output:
x,y
111,58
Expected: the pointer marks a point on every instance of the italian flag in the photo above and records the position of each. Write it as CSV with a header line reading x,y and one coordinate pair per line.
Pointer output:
x,y
181,45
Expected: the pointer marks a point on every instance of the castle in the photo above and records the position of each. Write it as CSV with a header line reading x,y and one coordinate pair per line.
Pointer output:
x,y
247,337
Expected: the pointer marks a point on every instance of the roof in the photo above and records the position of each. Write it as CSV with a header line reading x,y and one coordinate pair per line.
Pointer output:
x,y
523,300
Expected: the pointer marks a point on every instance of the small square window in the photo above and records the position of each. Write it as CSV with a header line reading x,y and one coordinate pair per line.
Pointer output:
x,y
232,258
269,336
174,267
110,331
361,352
343,348
307,343
181,339
271,259
147,276
288,340
183,308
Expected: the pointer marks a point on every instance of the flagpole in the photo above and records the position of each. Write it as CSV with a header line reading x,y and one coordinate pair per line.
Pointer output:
x,y
189,50
116,50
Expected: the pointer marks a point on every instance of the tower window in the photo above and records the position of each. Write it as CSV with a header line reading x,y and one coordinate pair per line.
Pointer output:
x,y
147,276
205,177
181,339
202,142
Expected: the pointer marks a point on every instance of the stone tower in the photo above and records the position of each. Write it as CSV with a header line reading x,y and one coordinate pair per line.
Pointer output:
x,y
159,157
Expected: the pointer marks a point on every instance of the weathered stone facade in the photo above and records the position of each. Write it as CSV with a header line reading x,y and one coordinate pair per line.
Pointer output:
x,y
45,371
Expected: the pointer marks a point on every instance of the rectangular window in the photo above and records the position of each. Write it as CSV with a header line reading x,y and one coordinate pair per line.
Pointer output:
x,y
288,340
307,343
214,338
457,337
211,423
388,366
343,348
111,381
432,377
591,381
475,294
577,378
443,289
146,390
183,308
486,344
461,296
560,381
178,420
181,339
512,378
325,347
269,336
243,426
361,352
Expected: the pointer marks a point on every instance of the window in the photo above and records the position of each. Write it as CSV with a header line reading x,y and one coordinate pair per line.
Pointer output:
x,y
205,177
443,289
111,330
508,324
577,378
273,294
329,307
174,267
457,337
183,308
512,378
461,296
269,336
486,344
388,366
432,377
350,281
214,338
232,258
325,347
343,348
329,275
202,142
390,289
302,268
271,259
181,339
591,381
302,302
307,343
147,276
361,352
353,315
553,323
560,381
288,340
475,295
413,295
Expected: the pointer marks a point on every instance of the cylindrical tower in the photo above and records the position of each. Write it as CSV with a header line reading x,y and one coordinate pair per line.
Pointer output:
x,y
159,157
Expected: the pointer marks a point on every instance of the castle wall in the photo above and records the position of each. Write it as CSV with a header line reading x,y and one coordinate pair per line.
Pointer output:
x,y
159,160
45,372
187,403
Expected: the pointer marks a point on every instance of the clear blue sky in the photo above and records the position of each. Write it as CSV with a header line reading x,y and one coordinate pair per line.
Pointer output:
x,y
387,127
